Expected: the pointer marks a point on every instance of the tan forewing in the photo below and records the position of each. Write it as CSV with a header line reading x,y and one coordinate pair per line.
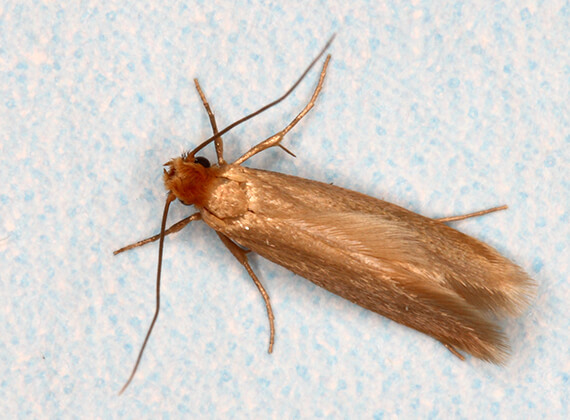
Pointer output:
x,y
409,268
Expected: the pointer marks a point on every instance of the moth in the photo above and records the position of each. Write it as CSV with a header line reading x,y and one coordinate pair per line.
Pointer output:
x,y
413,269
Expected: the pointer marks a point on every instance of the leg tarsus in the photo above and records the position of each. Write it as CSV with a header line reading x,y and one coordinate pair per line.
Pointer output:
x,y
275,140
454,351
241,256
475,214
218,143
172,229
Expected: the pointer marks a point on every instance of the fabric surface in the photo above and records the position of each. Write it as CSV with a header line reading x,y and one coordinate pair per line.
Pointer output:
x,y
441,107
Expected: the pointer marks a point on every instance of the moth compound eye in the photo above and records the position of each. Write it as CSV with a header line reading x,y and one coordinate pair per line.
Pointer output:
x,y
202,161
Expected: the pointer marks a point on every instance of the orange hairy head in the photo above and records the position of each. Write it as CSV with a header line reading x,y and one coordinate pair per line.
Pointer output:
x,y
189,179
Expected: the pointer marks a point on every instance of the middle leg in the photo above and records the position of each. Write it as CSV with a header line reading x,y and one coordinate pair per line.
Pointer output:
x,y
275,140
241,256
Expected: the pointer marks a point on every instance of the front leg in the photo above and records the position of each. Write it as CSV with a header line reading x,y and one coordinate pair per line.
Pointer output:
x,y
172,229
218,142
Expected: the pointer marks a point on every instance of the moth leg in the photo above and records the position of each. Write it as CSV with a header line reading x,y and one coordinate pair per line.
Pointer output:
x,y
241,256
275,140
467,216
172,229
455,352
218,142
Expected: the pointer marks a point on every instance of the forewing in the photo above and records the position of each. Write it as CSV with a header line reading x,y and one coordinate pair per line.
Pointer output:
x,y
406,267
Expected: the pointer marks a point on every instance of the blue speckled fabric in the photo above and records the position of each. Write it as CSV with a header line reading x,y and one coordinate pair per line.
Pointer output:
x,y
442,107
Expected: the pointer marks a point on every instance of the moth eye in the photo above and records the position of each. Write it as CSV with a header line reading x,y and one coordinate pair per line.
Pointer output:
x,y
202,161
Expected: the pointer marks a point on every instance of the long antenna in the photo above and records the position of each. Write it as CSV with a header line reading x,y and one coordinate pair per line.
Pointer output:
x,y
171,197
264,108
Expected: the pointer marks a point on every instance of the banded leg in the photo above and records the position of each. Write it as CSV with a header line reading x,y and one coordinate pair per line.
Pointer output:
x,y
467,216
176,227
241,256
275,140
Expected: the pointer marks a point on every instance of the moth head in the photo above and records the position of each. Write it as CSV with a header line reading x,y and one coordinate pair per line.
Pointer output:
x,y
189,178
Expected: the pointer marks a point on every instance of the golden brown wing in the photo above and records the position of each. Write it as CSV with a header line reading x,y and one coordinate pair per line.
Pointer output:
x,y
414,270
